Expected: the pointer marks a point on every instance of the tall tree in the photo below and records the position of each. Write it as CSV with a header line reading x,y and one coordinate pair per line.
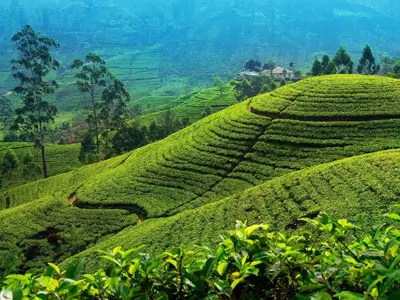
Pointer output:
x,y
343,62
253,65
92,77
367,64
31,68
316,69
328,66
112,109
325,63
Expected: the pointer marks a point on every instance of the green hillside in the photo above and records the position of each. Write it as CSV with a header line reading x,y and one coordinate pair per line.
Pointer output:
x,y
190,105
50,228
360,188
152,90
315,121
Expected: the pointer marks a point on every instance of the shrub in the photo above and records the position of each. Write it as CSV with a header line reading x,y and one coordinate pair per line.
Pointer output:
x,y
252,262
10,161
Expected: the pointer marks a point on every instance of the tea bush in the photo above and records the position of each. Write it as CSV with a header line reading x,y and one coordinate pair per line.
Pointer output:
x,y
333,259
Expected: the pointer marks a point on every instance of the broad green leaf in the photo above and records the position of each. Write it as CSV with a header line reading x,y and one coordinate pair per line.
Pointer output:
x,y
89,277
321,296
221,269
327,227
116,250
251,229
236,282
154,265
372,253
244,259
172,262
393,216
349,296
55,267
112,259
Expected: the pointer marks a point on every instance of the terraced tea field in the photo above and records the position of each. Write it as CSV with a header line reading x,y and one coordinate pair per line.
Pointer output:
x,y
360,188
315,121
190,105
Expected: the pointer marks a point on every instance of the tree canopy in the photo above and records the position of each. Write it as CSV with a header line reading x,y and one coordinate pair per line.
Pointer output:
x,y
343,62
367,64
317,67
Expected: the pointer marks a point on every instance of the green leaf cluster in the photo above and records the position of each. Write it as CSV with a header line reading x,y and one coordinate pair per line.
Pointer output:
x,y
330,259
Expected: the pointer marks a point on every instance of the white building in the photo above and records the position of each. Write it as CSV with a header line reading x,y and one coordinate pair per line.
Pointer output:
x,y
277,73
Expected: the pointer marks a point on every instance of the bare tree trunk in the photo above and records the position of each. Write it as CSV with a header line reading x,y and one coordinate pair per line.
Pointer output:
x,y
44,161
106,138
43,150
96,126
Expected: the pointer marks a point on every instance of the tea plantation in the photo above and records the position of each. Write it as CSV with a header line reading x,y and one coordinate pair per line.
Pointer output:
x,y
256,143
360,189
190,105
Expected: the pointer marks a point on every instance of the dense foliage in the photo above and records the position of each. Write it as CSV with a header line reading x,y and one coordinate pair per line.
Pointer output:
x,y
251,87
252,262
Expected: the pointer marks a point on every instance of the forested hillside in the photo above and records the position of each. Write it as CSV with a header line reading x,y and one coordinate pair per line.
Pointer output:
x,y
192,41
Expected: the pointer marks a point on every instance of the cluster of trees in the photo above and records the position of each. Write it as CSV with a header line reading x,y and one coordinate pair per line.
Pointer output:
x,y
131,135
248,88
257,66
220,85
109,130
107,95
343,64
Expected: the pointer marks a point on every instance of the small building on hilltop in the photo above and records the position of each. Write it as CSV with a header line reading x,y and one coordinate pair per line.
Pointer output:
x,y
277,73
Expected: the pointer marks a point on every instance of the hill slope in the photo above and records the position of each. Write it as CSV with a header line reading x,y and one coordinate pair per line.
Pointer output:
x,y
314,121
359,188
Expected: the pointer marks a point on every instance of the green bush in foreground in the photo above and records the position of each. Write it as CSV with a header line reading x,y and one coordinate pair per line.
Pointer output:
x,y
332,261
